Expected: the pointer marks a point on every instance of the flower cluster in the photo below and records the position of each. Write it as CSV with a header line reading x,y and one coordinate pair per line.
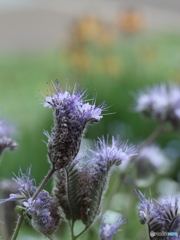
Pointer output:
x,y
43,211
160,216
161,103
72,113
79,182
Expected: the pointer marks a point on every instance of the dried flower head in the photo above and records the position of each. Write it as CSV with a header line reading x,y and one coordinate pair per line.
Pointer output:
x,y
43,211
72,113
107,231
5,141
80,186
160,216
161,103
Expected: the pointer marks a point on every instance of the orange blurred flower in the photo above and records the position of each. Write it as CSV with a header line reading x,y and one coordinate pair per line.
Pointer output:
x,y
131,21
89,29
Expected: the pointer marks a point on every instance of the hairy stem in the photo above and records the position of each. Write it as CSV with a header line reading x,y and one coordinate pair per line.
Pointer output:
x,y
43,183
153,136
18,226
73,236
79,234
50,238
114,189
72,230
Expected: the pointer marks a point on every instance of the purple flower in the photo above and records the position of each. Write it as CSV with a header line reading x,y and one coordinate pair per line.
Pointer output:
x,y
150,160
5,141
106,155
5,129
72,113
161,103
107,231
160,216
146,209
43,211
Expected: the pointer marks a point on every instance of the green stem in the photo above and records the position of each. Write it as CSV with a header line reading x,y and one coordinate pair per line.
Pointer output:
x,y
79,234
153,136
114,189
43,183
18,226
50,238
73,236
72,230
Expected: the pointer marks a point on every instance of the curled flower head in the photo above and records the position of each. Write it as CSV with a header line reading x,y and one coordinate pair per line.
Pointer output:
x,y
5,141
43,211
86,179
107,231
72,113
160,216
94,176
161,103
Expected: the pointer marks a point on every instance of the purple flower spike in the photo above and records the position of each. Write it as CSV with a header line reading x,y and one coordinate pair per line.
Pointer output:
x,y
72,113
107,231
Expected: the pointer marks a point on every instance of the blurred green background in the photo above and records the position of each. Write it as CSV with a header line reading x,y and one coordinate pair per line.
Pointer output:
x,y
23,75
113,64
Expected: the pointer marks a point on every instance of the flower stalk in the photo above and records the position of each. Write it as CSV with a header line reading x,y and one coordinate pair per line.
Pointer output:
x,y
43,183
18,226
153,136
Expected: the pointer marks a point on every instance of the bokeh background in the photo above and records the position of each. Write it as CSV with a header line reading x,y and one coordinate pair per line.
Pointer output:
x,y
112,47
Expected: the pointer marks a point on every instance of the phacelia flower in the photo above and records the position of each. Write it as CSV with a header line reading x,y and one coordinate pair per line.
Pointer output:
x,y
161,103
107,231
160,216
86,179
115,153
150,160
72,113
43,211
5,141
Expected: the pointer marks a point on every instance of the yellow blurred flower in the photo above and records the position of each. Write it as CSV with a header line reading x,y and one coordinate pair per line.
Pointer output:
x,y
89,29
